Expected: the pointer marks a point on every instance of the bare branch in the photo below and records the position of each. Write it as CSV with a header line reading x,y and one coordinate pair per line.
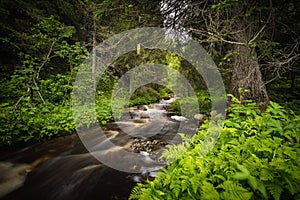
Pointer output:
x,y
16,104
38,91
258,33
47,57
219,38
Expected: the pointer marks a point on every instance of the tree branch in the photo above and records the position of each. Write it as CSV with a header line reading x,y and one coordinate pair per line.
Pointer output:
x,y
38,91
47,57
258,33
217,37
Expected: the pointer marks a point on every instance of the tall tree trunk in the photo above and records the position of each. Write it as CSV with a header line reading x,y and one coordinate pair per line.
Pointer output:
x,y
246,73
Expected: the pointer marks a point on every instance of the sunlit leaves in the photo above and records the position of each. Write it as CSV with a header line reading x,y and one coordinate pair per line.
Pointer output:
x,y
253,160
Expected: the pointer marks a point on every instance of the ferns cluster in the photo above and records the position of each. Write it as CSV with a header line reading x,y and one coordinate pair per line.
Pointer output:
x,y
256,157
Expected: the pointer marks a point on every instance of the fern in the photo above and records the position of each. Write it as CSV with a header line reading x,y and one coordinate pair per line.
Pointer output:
x,y
266,143
234,191
173,152
275,190
136,192
208,191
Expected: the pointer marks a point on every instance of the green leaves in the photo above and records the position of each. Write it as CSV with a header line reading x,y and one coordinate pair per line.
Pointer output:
x,y
267,145
254,183
241,176
37,94
234,191
34,123
208,191
232,124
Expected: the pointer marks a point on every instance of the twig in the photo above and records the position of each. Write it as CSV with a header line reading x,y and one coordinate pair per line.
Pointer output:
x,y
217,37
42,65
38,91
29,89
16,104
258,33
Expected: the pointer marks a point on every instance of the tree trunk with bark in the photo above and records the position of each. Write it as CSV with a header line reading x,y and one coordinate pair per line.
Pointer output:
x,y
246,75
246,72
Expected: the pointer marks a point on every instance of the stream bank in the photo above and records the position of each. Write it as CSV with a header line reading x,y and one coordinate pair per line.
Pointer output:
x,y
63,168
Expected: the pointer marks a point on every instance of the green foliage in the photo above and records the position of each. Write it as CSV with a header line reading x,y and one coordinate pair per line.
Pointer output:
x,y
293,105
103,108
35,102
188,103
165,93
40,87
175,151
144,96
39,123
256,157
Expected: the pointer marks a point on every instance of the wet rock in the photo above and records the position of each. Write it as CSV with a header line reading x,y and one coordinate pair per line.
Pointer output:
x,y
213,113
139,114
216,115
145,145
142,107
155,142
199,117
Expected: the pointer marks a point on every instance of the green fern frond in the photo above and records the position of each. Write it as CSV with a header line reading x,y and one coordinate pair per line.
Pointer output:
x,y
208,192
136,192
275,190
266,143
234,191
174,152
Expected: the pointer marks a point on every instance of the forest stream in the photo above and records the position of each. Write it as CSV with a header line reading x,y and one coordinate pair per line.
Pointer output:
x,y
63,169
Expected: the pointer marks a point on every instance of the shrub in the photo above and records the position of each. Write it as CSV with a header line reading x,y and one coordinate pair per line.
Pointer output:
x,y
42,122
188,103
256,157
144,96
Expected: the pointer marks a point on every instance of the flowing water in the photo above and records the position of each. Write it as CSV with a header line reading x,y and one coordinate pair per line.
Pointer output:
x,y
63,169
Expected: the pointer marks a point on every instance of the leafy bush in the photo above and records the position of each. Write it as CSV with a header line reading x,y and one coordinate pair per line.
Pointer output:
x,y
165,93
256,157
103,109
144,96
36,96
23,124
188,103
293,105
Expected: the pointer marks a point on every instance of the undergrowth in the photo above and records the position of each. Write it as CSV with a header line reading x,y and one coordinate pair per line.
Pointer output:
x,y
202,99
257,156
